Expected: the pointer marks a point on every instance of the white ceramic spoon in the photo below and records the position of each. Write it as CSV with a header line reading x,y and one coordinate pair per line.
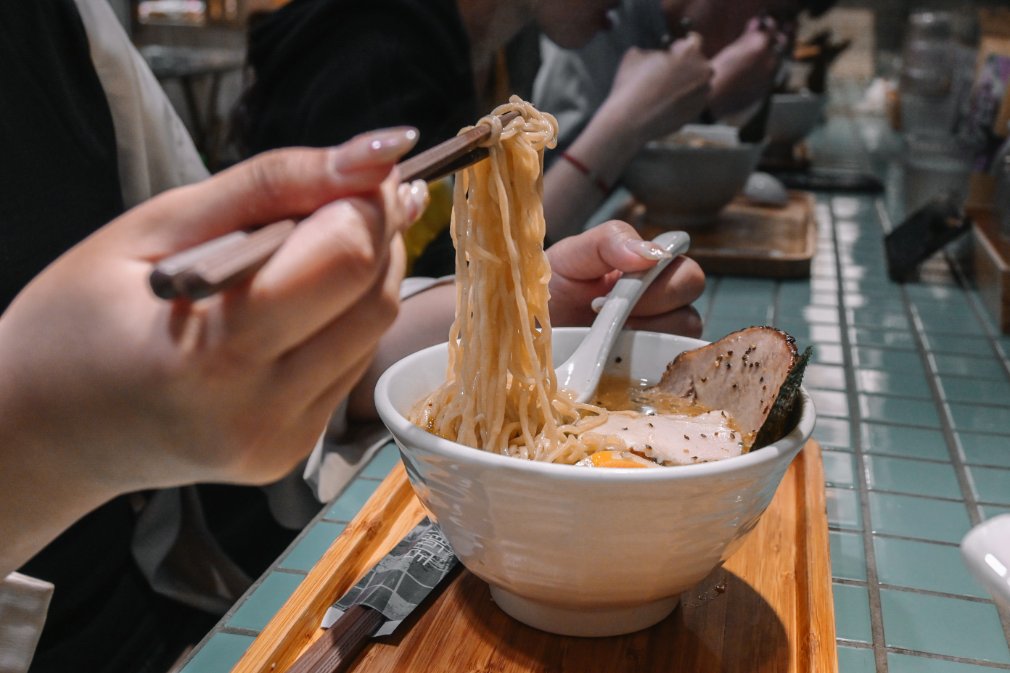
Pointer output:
x,y
581,372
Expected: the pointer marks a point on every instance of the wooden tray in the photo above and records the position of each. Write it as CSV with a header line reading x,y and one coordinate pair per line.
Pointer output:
x,y
767,609
749,240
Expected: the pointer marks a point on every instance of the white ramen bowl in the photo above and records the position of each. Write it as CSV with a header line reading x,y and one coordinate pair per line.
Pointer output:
x,y
574,550
682,185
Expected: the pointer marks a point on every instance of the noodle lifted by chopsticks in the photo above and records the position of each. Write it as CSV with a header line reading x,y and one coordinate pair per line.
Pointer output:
x,y
501,392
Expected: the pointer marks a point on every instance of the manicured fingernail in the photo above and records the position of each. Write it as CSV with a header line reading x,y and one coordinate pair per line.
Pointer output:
x,y
392,143
384,145
646,249
597,304
414,197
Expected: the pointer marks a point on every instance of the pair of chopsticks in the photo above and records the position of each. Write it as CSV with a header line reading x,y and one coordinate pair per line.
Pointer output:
x,y
339,646
212,266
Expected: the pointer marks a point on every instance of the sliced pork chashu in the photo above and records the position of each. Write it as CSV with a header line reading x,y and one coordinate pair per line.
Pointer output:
x,y
753,374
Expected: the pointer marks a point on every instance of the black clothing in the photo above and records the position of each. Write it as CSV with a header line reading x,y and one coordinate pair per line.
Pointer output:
x,y
326,70
59,182
59,179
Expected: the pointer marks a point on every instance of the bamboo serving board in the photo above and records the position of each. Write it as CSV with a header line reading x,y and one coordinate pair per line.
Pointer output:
x,y
768,609
749,240
991,266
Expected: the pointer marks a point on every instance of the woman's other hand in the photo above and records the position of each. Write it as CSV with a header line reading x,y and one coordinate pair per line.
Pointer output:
x,y
745,70
586,266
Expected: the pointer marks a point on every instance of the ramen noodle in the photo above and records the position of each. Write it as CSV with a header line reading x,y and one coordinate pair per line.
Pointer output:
x,y
501,392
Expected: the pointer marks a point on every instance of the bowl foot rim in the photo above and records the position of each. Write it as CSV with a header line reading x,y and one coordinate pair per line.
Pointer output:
x,y
583,622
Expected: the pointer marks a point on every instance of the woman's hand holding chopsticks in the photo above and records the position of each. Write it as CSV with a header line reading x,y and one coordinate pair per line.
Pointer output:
x,y
108,389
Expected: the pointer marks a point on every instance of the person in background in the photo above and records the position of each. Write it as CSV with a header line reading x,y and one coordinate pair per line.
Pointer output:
x,y
324,70
585,88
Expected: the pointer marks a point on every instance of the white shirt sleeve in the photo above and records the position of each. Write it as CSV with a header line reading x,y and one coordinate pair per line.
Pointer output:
x,y
24,602
344,449
154,149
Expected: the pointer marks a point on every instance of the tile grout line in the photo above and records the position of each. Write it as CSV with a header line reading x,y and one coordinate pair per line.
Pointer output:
x,y
856,438
878,644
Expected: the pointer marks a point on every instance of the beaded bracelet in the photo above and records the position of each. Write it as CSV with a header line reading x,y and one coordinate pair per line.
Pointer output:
x,y
588,172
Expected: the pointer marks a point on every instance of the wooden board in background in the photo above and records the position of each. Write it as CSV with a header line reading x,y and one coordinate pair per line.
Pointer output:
x,y
749,240
769,609
991,266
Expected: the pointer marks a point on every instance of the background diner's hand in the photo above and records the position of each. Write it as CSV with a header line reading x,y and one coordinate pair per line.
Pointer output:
x,y
744,71
654,93
586,266
107,389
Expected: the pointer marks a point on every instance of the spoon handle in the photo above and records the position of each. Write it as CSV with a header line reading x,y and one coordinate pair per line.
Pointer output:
x,y
581,372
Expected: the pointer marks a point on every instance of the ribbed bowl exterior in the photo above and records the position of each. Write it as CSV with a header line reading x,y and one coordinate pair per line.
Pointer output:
x,y
581,537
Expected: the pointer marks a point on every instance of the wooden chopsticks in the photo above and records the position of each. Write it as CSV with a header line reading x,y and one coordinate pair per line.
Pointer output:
x,y
212,266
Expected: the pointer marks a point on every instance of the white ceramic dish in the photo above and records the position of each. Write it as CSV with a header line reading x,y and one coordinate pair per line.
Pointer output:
x,y
583,551
682,185
986,552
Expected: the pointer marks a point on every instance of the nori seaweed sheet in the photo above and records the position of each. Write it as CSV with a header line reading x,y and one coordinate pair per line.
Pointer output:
x,y
785,412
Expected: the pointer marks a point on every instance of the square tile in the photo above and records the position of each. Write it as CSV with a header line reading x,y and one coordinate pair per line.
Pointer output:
x,y
950,626
922,413
856,660
961,389
820,314
220,653
992,484
896,361
312,545
898,440
923,565
872,316
966,365
899,384
843,508
266,599
912,516
959,344
950,319
825,377
828,354
862,302
839,468
852,613
917,477
984,449
830,403
751,314
848,558
896,339
833,433
978,418
989,511
909,663
349,503
384,460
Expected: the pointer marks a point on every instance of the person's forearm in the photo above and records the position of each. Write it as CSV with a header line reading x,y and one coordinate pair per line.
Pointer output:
x,y
424,320
605,148
40,493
